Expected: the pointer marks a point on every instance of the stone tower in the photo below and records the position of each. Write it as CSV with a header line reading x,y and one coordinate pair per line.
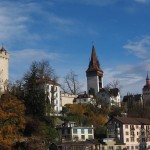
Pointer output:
x,y
4,59
146,92
94,74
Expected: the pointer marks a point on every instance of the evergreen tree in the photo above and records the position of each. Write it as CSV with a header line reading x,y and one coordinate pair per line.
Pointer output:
x,y
35,87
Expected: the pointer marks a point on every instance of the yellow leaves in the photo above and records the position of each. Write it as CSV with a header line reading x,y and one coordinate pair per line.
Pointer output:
x,y
88,113
77,109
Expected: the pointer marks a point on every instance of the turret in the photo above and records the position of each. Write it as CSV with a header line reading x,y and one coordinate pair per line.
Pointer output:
x,y
94,73
4,60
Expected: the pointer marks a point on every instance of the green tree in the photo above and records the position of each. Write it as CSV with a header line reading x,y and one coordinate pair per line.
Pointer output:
x,y
35,81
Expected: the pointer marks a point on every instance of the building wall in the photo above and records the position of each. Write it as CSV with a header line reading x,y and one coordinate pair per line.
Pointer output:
x,y
93,82
146,96
57,99
76,133
130,134
67,98
4,59
83,100
115,100
135,138
82,133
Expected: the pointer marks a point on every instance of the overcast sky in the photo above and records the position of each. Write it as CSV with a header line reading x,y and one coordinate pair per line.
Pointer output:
x,y
62,32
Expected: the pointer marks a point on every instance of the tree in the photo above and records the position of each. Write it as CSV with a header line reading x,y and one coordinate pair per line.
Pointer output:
x,y
71,84
113,84
35,91
12,120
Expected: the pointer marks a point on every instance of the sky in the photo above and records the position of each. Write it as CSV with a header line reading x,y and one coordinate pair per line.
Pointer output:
x,y
63,31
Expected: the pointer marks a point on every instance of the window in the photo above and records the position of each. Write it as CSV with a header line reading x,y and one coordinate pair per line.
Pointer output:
x,y
63,131
68,131
143,139
137,126
126,126
131,127
110,148
132,139
82,131
75,131
119,147
127,133
132,147
90,136
89,131
128,147
136,147
137,133
137,139
82,137
132,133
127,139
103,148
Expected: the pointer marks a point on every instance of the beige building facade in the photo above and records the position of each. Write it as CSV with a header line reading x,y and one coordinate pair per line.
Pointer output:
x,y
133,132
67,98
4,62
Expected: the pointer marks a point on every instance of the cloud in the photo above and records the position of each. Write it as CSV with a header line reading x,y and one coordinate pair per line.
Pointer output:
x,y
139,48
14,18
21,60
131,77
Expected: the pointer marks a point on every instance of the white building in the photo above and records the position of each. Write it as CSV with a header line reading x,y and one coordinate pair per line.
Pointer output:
x,y
52,92
134,132
111,96
4,61
68,131
84,99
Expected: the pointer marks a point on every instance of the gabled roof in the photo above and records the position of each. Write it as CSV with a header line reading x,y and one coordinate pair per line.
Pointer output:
x,y
3,49
111,92
104,90
94,63
114,92
135,121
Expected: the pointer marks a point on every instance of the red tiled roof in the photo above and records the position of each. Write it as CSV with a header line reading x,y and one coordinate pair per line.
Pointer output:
x,y
136,121
94,63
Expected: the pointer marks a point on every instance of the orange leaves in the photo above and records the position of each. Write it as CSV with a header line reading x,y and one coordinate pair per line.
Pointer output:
x,y
12,120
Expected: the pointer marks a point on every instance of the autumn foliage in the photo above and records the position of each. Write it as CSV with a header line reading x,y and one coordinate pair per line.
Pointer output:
x,y
86,114
12,121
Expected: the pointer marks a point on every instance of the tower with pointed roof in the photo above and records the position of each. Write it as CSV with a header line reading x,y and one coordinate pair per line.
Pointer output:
x,y
4,60
146,92
94,74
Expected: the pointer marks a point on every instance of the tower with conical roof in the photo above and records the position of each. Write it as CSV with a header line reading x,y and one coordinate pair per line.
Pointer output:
x,y
146,92
94,74
4,59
